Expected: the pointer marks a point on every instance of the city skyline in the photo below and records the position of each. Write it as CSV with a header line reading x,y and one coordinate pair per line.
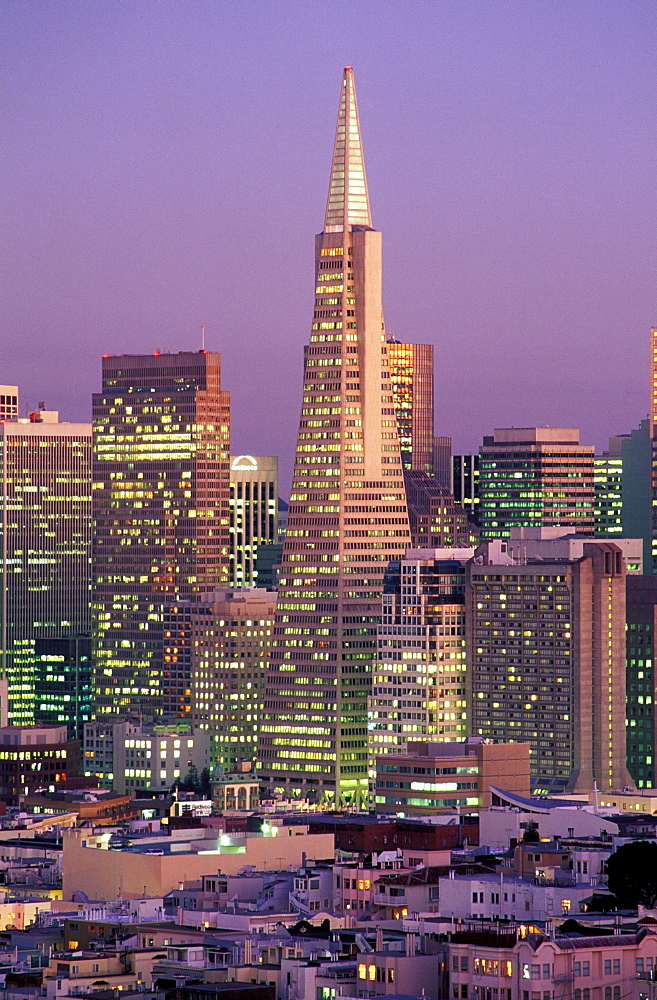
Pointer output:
x,y
509,155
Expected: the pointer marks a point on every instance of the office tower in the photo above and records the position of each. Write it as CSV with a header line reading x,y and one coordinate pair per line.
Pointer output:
x,y
161,531
419,675
545,643
45,544
641,618
123,754
63,682
36,757
436,520
465,484
347,516
216,649
9,402
538,476
652,417
253,514
608,489
411,381
636,451
442,460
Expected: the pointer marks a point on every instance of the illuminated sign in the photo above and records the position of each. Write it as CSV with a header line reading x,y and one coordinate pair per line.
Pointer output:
x,y
244,463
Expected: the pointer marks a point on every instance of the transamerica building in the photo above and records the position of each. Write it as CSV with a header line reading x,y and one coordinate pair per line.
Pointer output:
x,y
347,516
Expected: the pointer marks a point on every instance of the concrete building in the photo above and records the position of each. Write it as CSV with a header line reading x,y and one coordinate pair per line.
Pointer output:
x,y
161,512
436,777
154,866
36,757
253,514
129,757
535,476
347,516
216,651
9,402
546,660
411,381
45,544
419,674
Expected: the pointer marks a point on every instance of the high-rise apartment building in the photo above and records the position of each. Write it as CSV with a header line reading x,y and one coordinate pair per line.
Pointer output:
x,y
546,659
253,514
216,651
347,516
419,674
45,544
535,476
161,512
9,402
411,381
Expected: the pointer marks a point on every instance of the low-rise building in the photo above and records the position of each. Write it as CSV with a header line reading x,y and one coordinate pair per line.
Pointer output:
x,y
433,777
36,757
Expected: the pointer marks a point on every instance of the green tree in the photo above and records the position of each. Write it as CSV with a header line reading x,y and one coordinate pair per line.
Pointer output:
x,y
632,874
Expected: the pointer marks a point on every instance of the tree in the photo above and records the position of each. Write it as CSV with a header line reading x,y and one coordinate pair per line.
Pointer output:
x,y
531,834
632,874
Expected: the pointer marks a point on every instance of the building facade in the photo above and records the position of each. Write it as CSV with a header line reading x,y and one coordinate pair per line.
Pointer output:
x,y
535,476
435,777
347,516
641,617
36,757
9,402
63,682
546,661
464,484
411,381
608,488
161,512
253,514
419,674
216,651
45,544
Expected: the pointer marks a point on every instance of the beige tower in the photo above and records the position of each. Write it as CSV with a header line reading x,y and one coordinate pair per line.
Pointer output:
x,y
347,516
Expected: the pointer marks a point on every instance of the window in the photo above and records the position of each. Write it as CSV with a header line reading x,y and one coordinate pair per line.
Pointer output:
x,y
616,965
586,968
608,970
639,965
546,971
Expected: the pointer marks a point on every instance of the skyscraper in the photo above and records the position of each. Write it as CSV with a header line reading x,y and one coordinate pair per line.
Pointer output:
x,y
161,522
545,645
45,544
535,476
419,679
347,516
253,514
411,379
8,402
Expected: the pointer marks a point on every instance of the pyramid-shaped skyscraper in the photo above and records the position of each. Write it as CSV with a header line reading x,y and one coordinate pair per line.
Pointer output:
x,y
347,517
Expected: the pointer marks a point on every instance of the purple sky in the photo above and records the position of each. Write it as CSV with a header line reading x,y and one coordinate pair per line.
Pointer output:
x,y
166,165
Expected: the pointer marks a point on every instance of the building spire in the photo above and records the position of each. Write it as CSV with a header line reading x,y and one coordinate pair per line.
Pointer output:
x,y
348,202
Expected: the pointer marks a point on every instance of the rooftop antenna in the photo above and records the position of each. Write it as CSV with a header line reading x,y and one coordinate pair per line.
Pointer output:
x,y
203,337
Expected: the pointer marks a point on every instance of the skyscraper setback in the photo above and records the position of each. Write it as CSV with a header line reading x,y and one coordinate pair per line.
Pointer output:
x,y
347,516
161,525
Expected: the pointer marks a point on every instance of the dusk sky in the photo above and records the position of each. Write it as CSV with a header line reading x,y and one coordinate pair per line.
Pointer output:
x,y
165,165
